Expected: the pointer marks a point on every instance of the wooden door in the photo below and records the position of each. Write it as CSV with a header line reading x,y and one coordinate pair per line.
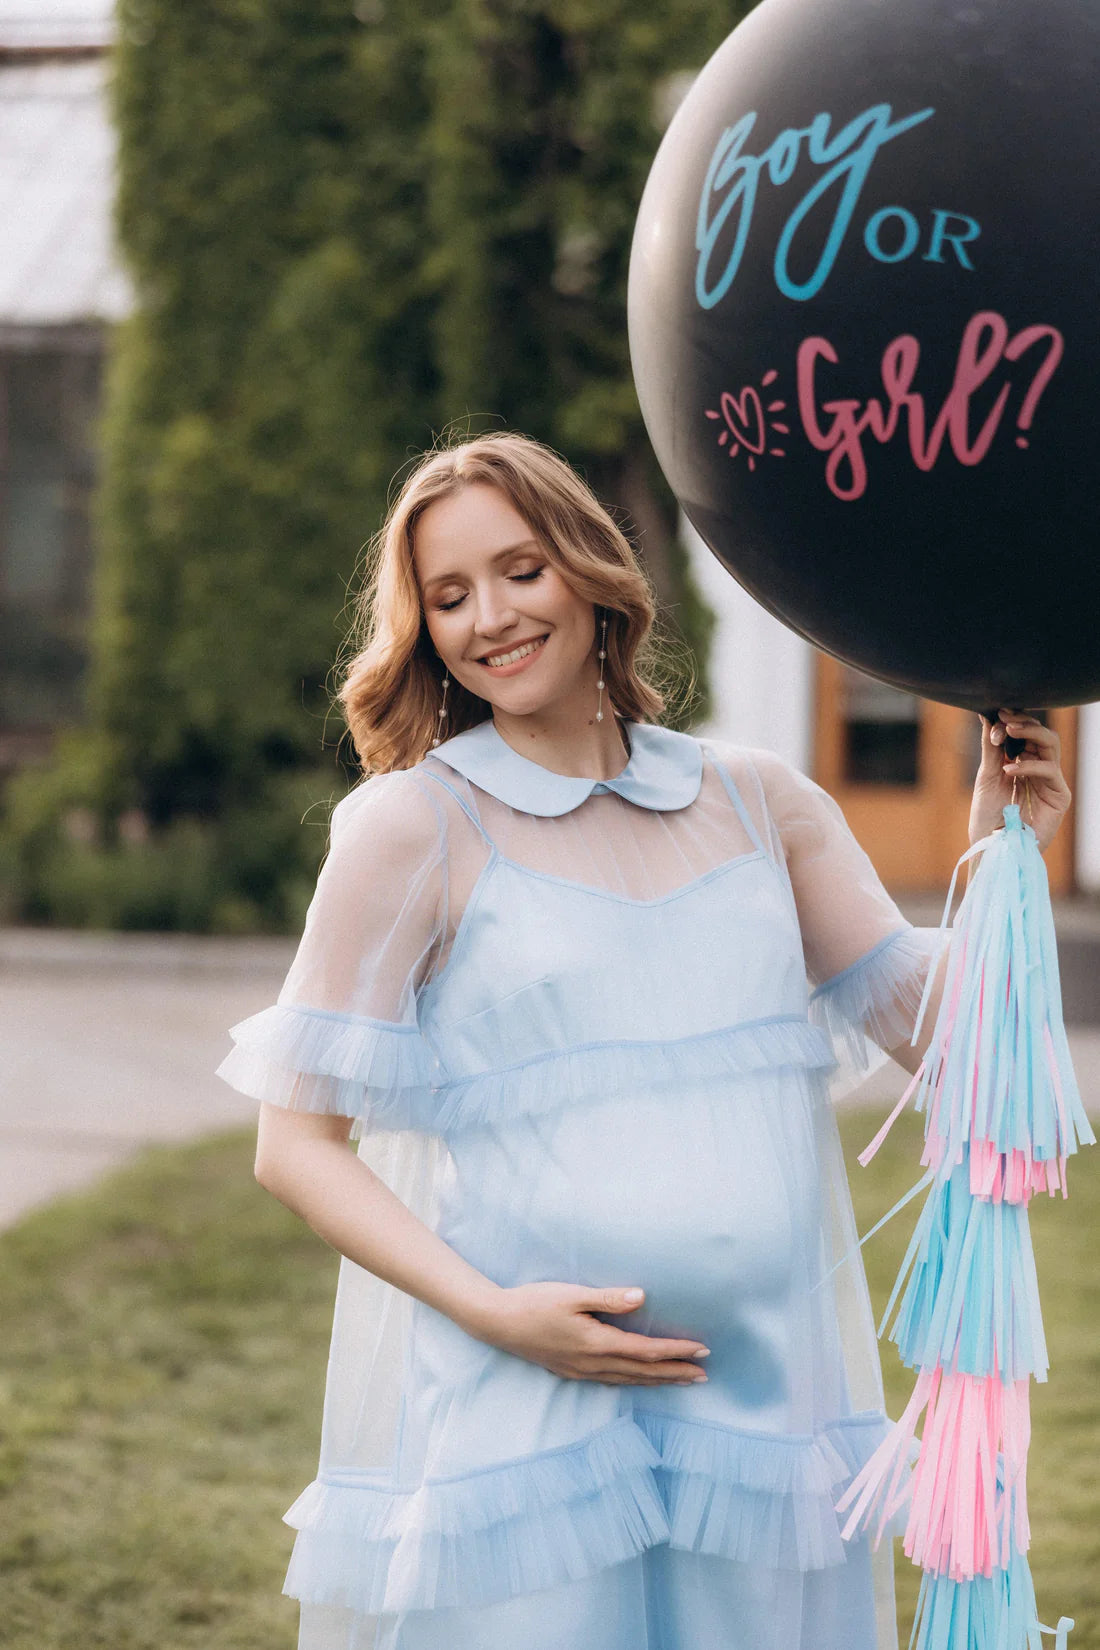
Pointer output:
x,y
902,768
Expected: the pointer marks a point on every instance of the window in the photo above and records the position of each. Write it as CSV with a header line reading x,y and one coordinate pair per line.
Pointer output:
x,y
881,731
48,403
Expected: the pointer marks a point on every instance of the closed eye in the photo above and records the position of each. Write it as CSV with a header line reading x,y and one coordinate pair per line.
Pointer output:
x,y
522,578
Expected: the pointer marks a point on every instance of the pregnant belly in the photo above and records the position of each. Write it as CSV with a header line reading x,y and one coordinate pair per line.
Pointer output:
x,y
707,1199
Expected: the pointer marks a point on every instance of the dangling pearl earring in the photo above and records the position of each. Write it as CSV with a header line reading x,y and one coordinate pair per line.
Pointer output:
x,y
442,710
602,655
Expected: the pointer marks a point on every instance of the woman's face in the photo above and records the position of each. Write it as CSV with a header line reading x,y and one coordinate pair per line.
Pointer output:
x,y
489,590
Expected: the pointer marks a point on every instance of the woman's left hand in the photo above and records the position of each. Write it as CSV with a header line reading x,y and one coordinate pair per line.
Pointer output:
x,y
1039,763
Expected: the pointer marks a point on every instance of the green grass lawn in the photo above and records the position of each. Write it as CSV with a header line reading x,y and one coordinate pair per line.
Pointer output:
x,y
162,1352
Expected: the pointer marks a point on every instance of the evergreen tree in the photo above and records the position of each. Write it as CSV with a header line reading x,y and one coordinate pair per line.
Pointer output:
x,y
347,228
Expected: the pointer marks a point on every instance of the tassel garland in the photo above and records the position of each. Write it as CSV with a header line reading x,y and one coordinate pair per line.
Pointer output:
x,y
1002,1116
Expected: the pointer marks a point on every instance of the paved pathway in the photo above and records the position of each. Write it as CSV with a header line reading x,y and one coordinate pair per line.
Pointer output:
x,y
108,1043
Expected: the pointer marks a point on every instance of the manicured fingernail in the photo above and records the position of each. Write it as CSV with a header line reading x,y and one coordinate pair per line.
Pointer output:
x,y
705,1353
632,1294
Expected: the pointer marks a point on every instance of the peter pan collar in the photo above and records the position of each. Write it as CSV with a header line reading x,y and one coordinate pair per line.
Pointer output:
x,y
665,770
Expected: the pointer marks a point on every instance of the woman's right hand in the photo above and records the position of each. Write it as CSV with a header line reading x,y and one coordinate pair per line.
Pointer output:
x,y
552,1324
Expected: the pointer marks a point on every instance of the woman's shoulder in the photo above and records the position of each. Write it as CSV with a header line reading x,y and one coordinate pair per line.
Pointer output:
x,y
755,765
803,815
397,807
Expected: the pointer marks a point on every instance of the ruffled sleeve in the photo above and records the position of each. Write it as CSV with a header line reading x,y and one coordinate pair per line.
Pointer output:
x,y
342,1036
866,962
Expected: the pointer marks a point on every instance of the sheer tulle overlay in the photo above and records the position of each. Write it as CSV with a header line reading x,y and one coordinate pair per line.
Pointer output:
x,y
590,1032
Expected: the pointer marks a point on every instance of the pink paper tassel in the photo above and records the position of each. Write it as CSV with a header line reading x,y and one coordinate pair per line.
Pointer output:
x,y
969,1483
882,1487
968,1493
1011,1177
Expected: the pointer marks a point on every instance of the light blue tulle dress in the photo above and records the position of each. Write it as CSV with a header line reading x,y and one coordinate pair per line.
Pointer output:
x,y
576,1025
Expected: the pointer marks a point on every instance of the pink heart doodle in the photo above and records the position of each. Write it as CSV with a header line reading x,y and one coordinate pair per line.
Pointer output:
x,y
740,414
747,424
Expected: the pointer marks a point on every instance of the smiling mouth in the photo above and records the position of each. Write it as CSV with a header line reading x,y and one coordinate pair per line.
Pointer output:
x,y
496,660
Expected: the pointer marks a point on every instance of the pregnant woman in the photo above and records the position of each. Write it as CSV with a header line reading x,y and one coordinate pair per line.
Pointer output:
x,y
571,979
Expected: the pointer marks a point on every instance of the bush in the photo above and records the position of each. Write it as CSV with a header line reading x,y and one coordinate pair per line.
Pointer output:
x,y
251,870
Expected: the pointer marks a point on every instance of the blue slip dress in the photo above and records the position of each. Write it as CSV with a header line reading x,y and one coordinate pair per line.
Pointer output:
x,y
606,1091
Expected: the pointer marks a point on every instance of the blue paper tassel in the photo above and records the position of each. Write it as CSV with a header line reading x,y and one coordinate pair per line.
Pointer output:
x,y
995,1612
972,1298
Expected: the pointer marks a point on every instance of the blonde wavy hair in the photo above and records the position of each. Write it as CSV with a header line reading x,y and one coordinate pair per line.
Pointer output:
x,y
391,690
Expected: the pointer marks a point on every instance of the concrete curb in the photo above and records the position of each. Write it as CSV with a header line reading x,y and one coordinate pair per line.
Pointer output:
x,y
31,949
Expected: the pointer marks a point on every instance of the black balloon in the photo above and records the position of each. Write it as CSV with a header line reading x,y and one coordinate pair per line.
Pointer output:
x,y
863,328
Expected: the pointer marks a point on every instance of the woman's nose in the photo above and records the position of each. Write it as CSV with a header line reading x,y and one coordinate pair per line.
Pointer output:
x,y
494,616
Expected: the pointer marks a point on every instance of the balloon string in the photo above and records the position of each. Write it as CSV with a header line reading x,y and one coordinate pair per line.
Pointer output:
x,y
1027,796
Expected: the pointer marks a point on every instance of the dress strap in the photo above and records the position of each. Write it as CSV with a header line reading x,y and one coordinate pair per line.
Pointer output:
x,y
467,808
736,798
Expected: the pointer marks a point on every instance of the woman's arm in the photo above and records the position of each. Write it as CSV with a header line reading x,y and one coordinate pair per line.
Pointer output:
x,y
845,913
908,1054
304,1161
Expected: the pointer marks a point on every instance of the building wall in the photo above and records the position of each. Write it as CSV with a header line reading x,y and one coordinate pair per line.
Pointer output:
x,y
1087,799
761,672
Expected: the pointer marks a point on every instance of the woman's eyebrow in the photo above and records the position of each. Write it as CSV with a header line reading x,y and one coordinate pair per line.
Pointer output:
x,y
524,544
498,555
